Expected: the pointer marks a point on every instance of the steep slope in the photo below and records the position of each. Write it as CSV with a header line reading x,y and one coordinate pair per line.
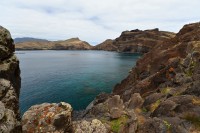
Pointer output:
x,y
136,41
10,83
70,44
167,78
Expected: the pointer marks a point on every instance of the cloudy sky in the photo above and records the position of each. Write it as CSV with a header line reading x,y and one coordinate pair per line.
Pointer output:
x,y
94,20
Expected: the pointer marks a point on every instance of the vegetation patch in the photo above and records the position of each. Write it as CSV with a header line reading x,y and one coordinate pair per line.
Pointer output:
x,y
167,124
194,119
177,94
116,124
196,101
144,110
189,72
155,105
165,90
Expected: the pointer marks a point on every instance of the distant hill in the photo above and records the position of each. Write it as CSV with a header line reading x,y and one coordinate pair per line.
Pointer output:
x,y
29,39
106,45
70,44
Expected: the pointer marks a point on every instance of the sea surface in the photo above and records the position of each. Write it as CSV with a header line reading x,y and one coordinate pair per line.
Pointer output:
x,y
75,77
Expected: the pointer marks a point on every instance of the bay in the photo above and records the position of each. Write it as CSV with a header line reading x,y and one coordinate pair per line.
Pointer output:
x,y
75,77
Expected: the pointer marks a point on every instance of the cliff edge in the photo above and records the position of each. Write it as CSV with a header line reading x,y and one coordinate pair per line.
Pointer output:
x,y
10,83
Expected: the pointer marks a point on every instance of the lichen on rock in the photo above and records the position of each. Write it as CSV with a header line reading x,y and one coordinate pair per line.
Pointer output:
x,y
48,118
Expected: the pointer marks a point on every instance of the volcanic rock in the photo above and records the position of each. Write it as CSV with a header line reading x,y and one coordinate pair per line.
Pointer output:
x,y
10,83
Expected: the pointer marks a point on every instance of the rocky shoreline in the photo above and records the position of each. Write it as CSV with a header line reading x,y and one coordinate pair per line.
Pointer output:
x,y
160,95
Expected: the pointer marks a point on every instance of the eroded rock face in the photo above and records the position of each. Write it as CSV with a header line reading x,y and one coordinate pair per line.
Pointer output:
x,y
113,114
10,83
135,41
48,118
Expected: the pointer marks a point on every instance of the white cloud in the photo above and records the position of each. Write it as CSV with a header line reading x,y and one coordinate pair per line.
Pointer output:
x,y
93,21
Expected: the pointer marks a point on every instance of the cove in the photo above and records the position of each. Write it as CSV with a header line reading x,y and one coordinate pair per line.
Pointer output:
x,y
75,77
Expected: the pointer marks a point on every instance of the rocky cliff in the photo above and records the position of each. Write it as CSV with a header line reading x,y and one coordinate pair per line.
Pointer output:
x,y
136,41
70,44
167,79
9,85
160,95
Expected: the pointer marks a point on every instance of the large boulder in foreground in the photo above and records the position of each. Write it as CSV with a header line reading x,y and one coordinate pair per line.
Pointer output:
x,y
10,83
53,118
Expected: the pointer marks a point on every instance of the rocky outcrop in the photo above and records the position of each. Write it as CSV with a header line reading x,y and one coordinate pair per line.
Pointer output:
x,y
113,113
70,44
136,41
10,83
167,78
47,117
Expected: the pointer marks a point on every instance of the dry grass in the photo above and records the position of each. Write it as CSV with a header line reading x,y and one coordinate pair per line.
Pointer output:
x,y
155,105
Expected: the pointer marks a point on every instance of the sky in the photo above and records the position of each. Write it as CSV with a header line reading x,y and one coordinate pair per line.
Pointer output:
x,y
94,20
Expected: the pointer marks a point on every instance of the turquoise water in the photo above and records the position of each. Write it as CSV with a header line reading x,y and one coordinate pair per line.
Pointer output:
x,y
75,77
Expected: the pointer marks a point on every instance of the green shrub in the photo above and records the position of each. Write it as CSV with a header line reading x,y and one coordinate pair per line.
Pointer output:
x,y
116,123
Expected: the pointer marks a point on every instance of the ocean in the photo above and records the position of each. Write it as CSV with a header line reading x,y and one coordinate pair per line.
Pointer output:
x,y
75,77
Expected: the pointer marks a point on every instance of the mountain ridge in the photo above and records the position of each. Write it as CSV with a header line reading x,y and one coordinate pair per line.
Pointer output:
x,y
29,39
69,44
134,41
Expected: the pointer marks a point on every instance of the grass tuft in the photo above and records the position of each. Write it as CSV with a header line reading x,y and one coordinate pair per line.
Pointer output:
x,y
155,105
116,124
166,90
167,124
